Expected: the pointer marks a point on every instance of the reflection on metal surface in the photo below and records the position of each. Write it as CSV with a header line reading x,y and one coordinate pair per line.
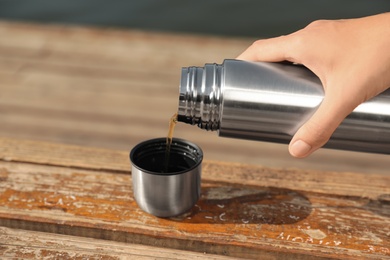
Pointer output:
x,y
270,102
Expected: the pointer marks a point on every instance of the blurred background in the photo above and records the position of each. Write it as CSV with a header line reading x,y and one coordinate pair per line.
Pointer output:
x,y
249,18
106,73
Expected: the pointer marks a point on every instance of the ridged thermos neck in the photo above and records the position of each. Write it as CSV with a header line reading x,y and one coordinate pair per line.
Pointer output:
x,y
200,96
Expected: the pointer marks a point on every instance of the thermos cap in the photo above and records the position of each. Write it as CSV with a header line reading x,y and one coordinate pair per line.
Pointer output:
x,y
169,192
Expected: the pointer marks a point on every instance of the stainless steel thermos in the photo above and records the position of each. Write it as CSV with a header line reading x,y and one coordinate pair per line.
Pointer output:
x,y
270,101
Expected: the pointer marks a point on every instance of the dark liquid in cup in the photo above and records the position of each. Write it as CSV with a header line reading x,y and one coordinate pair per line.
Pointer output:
x,y
166,156
150,156
157,161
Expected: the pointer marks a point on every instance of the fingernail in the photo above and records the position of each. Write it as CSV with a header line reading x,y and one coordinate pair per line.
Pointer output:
x,y
300,148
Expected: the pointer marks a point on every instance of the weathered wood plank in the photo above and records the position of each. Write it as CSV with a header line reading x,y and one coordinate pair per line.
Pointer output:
x,y
244,211
23,244
341,183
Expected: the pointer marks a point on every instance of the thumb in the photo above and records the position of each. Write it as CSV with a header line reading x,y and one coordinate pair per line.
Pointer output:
x,y
319,128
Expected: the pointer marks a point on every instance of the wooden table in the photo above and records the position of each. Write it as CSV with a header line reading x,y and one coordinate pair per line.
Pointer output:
x,y
113,88
62,201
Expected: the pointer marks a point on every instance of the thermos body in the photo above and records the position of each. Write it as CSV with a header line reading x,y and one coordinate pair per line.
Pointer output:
x,y
271,101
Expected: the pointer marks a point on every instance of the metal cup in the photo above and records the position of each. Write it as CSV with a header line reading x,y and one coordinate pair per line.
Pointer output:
x,y
166,190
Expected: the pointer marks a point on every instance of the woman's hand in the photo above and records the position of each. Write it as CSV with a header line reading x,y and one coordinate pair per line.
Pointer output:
x,y
351,58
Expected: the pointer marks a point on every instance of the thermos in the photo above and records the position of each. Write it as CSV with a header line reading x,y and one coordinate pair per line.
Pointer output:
x,y
270,102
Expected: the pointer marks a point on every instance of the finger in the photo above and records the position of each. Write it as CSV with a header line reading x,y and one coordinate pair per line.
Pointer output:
x,y
270,50
319,128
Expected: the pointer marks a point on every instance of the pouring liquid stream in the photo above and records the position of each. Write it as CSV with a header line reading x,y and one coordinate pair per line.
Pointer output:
x,y
172,124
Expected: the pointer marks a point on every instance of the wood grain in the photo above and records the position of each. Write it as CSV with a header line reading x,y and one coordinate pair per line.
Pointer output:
x,y
23,244
245,211
113,88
